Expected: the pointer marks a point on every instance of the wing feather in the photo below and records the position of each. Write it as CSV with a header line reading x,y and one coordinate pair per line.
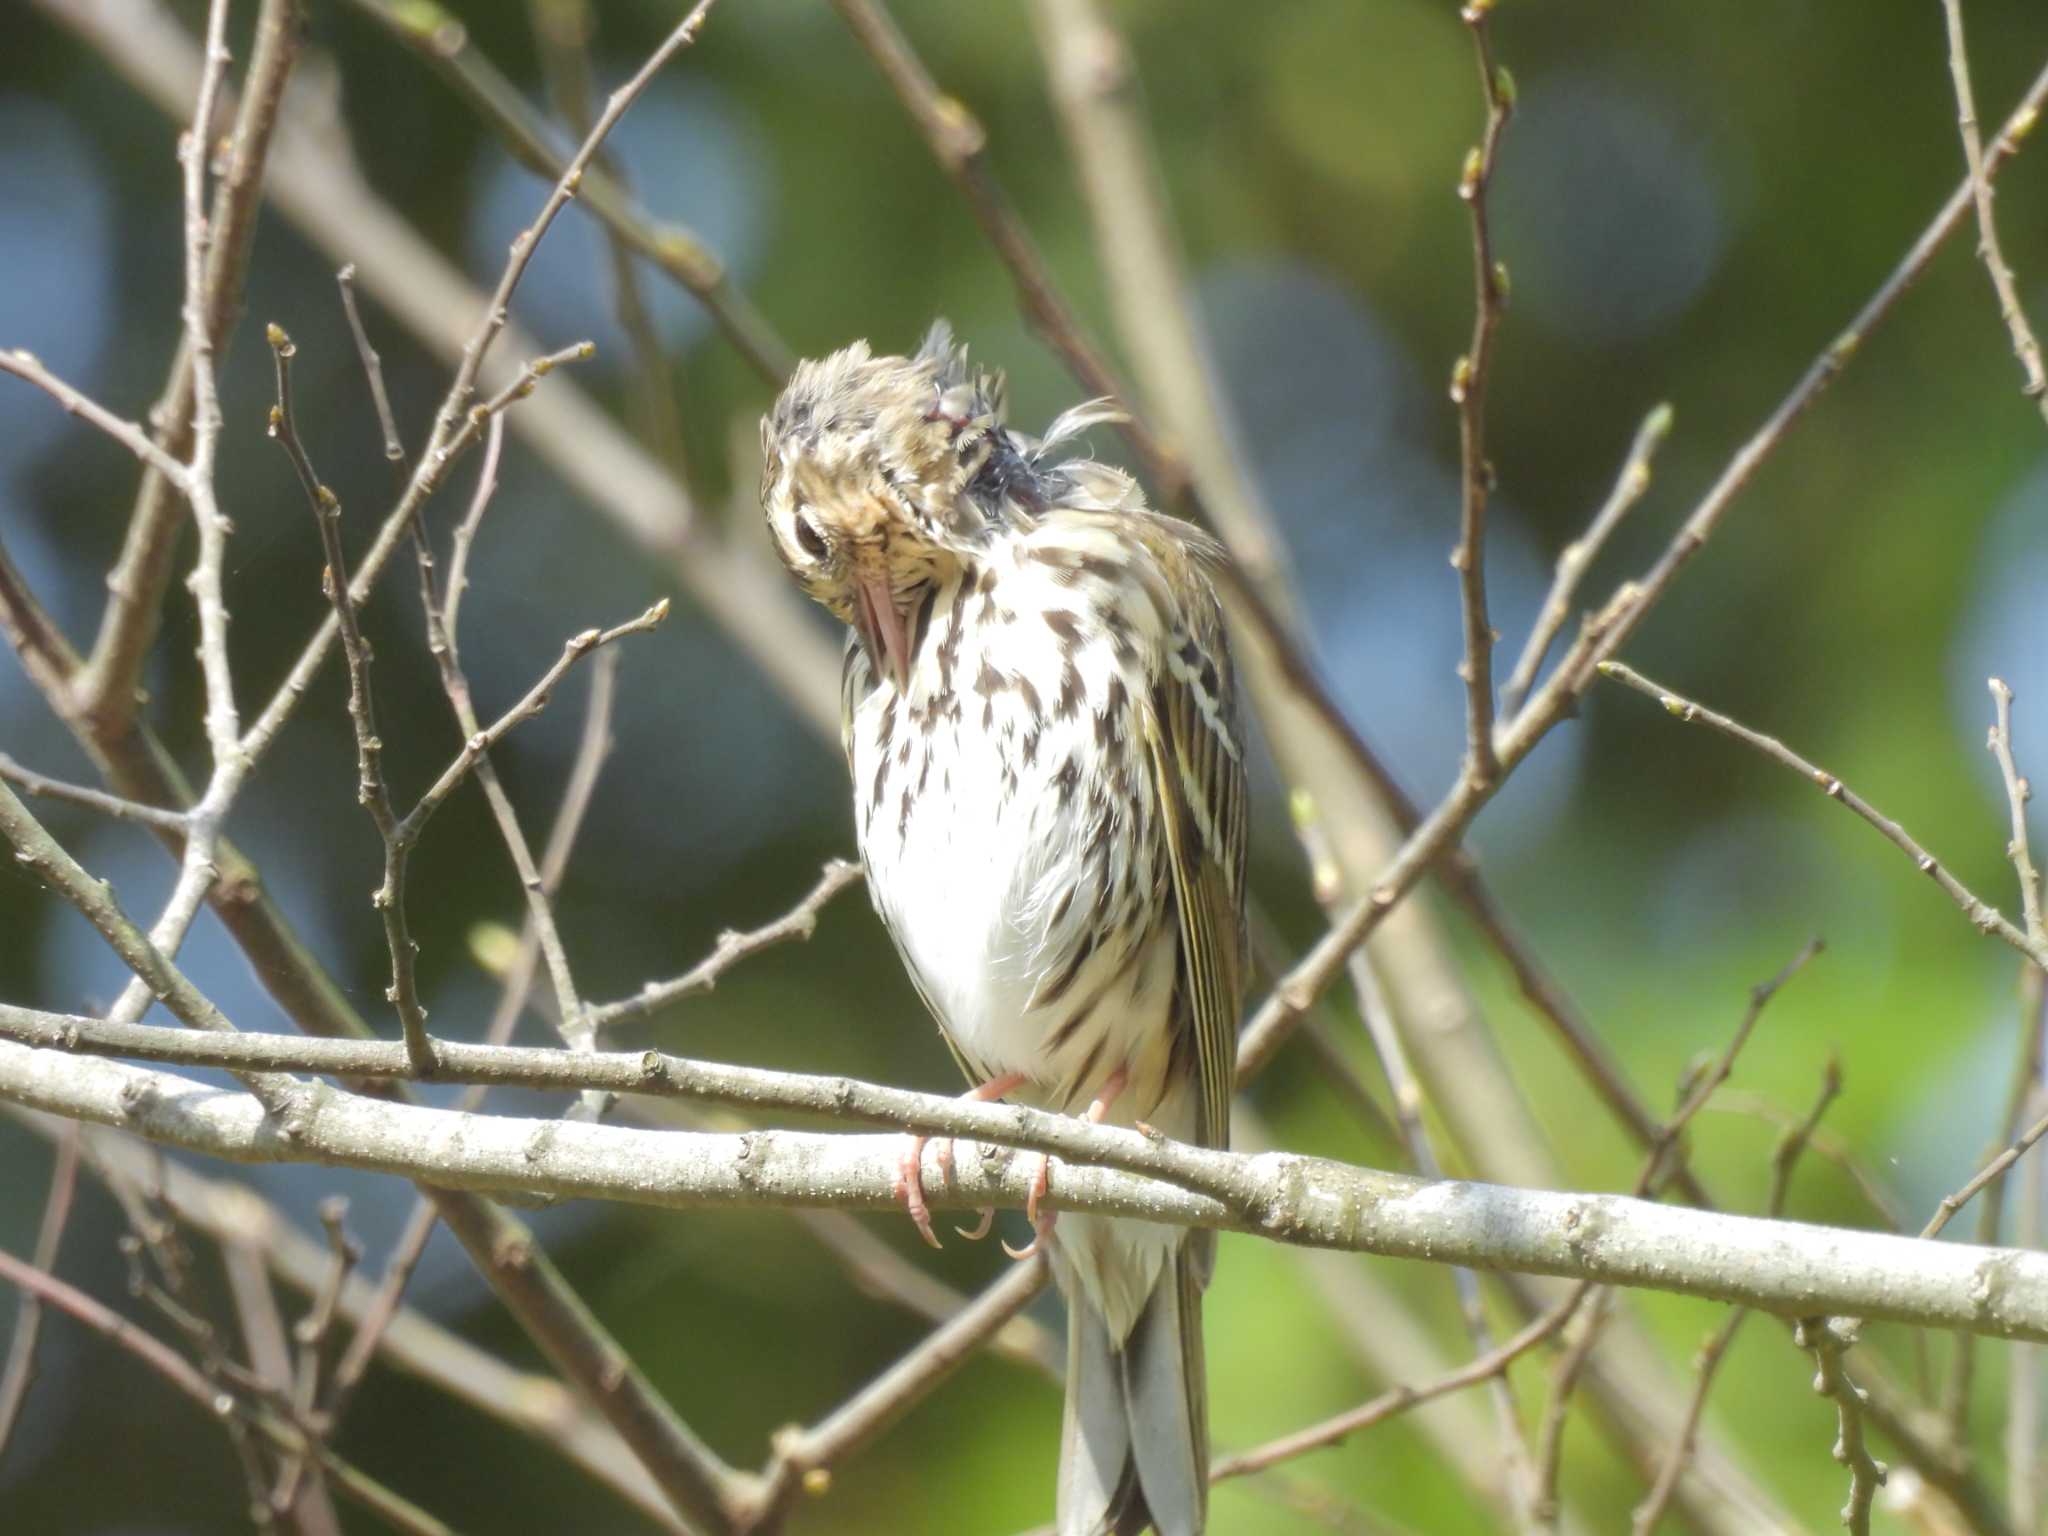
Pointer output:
x,y
1198,770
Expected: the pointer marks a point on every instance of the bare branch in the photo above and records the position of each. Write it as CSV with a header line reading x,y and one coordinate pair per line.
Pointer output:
x,y
1775,1266
371,791
1829,1340
2026,347
180,1373
19,1372
574,650
105,691
373,365
566,187
92,799
802,1456
800,922
1982,915
1784,1158
446,45
1580,554
1399,1399
25,366
2017,793
42,855
1469,379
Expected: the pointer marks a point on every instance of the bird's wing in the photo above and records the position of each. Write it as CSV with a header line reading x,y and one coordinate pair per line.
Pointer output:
x,y
1198,768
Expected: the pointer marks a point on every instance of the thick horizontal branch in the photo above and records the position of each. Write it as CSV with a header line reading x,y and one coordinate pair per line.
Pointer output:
x,y
1787,1268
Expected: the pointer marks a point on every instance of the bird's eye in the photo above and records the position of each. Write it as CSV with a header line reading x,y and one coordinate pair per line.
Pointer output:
x,y
812,541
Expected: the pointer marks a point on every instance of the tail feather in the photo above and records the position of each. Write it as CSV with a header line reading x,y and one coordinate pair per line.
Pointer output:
x,y
1134,1453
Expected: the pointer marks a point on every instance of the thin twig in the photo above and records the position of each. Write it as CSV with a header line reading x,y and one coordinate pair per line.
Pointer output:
x,y
1701,1089
298,1491
1998,1165
445,44
371,791
2017,793
1469,380
1406,1091
465,531
804,1457
563,29
105,691
92,799
1829,1339
187,1378
800,922
1400,1399
373,365
1093,84
566,186
1579,555
2026,347
27,367
406,1253
41,854
1784,1158
535,1406
1982,915
19,1372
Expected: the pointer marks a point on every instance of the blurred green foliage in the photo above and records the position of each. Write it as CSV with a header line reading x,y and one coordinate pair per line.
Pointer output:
x,y
1693,199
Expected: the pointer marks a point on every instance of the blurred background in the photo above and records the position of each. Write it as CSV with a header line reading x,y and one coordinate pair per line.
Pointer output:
x,y
1692,201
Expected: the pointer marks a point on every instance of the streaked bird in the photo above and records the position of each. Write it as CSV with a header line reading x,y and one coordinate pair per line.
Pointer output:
x,y
1040,719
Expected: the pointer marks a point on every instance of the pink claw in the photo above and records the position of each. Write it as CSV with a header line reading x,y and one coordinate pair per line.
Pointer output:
x,y
979,1230
1041,1227
910,1186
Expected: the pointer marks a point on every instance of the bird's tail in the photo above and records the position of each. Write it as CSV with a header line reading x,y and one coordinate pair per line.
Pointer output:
x,y
1134,1451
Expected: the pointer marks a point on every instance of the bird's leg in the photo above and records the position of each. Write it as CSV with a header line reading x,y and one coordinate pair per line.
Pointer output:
x,y
910,1170
1041,1182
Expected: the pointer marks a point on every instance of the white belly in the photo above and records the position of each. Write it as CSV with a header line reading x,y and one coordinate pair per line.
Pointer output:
x,y
1012,848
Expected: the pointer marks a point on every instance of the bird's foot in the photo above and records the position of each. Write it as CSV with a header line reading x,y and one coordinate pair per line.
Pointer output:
x,y
910,1171
1041,1226
910,1188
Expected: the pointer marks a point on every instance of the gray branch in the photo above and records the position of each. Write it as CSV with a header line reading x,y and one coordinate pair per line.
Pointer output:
x,y
1783,1267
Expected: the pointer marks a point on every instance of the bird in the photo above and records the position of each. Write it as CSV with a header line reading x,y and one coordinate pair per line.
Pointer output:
x,y
1041,724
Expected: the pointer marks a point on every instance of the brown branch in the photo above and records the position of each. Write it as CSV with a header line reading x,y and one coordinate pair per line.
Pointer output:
x,y
1580,554
442,41
804,1457
371,792
565,187
91,799
2026,347
372,363
44,857
1794,1141
105,691
562,30
28,368
1400,1399
1828,1340
800,922
1982,915
2017,793
183,1375
1564,1381
594,744
233,1214
19,1372
1469,380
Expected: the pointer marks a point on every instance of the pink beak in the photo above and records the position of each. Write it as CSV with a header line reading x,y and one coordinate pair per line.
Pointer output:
x,y
881,629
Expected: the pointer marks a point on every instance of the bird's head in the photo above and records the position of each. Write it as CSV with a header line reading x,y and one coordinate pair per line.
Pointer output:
x,y
880,475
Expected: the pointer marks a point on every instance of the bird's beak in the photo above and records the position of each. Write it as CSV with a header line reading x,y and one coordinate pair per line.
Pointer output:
x,y
881,629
